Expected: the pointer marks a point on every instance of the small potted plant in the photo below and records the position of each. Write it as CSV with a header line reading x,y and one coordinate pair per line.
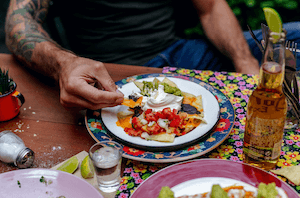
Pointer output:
x,y
6,83
10,99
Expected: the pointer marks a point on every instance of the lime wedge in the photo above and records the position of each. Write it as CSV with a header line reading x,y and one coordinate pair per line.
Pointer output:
x,y
273,19
70,165
87,168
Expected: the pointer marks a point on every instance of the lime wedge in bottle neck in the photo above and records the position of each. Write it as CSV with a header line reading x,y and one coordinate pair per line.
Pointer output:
x,y
273,20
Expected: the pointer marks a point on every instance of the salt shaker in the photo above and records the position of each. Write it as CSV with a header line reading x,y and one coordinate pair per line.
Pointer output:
x,y
13,150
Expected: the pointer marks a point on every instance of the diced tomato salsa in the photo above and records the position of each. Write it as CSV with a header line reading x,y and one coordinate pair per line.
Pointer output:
x,y
176,122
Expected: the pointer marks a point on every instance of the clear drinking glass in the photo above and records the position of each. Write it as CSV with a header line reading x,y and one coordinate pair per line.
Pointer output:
x,y
107,158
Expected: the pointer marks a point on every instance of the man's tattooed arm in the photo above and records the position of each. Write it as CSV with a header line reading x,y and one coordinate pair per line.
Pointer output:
x,y
28,41
76,75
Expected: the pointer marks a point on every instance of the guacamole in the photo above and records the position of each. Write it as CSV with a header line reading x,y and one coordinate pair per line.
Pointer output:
x,y
151,86
218,192
166,192
148,87
171,90
265,190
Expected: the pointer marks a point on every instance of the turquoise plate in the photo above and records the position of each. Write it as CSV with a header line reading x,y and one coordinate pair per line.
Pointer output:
x,y
213,139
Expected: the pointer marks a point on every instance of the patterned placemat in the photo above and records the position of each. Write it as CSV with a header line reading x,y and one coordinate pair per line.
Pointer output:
x,y
237,87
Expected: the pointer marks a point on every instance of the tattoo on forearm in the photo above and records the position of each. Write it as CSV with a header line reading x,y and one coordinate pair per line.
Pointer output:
x,y
23,26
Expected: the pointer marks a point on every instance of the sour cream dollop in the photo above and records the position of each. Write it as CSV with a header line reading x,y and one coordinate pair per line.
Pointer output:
x,y
159,100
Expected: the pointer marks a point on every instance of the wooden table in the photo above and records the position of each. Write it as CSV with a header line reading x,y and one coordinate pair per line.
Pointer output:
x,y
51,131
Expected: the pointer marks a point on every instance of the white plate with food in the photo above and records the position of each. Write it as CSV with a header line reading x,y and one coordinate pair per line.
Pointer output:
x,y
206,186
196,177
210,115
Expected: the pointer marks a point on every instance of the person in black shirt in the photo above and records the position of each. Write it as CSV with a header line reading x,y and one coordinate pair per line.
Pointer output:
x,y
128,32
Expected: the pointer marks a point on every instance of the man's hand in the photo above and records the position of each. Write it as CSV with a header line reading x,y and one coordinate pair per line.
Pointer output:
x,y
86,83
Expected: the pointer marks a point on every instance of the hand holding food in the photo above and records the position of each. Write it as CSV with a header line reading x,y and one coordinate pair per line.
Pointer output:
x,y
85,83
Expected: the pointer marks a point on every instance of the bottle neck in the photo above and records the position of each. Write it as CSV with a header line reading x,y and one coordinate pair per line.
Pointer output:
x,y
271,76
273,68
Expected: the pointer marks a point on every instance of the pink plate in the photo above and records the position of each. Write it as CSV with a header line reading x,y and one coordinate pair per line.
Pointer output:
x,y
37,182
175,176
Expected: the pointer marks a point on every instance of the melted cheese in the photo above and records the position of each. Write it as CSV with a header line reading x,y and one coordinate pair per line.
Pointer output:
x,y
124,122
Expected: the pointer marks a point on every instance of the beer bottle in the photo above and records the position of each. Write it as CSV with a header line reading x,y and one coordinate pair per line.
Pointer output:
x,y
267,108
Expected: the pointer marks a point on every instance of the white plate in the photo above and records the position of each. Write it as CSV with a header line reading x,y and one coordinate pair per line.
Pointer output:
x,y
211,115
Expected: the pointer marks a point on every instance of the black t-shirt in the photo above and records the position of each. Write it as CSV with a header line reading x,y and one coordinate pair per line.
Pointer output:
x,y
118,31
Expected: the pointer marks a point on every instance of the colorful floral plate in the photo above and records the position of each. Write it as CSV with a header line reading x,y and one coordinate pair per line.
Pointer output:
x,y
207,143
198,176
211,116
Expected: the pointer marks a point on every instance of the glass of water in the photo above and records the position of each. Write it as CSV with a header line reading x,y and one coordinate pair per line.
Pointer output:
x,y
107,157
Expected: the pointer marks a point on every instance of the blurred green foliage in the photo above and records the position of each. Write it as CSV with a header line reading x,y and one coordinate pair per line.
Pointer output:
x,y
250,12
